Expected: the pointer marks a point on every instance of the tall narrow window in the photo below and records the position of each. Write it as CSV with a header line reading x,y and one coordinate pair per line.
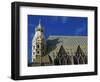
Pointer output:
x,y
33,53
33,47
37,52
38,46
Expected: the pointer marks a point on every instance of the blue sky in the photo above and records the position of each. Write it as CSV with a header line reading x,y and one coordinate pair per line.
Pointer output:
x,y
56,25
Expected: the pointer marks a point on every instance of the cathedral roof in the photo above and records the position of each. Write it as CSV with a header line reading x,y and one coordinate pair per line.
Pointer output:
x,y
69,43
67,40
62,50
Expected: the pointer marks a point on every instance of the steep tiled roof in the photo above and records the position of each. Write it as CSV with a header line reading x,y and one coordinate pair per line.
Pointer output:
x,y
70,44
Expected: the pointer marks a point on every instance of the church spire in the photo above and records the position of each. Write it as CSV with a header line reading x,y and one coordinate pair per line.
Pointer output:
x,y
39,27
39,23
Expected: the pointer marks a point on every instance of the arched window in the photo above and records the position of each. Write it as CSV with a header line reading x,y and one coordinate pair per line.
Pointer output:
x,y
56,61
33,47
85,60
33,53
37,52
75,59
69,61
38,46
81,60
62,61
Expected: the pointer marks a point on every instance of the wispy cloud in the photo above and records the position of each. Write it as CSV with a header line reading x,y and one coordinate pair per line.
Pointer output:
x,y
80,31
57,19
64,19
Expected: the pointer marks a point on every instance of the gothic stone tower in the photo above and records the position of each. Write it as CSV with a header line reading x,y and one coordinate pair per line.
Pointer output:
x,y
38,44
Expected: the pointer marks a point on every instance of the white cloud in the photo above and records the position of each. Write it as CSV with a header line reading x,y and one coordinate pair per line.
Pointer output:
x,y
80,30
64,19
